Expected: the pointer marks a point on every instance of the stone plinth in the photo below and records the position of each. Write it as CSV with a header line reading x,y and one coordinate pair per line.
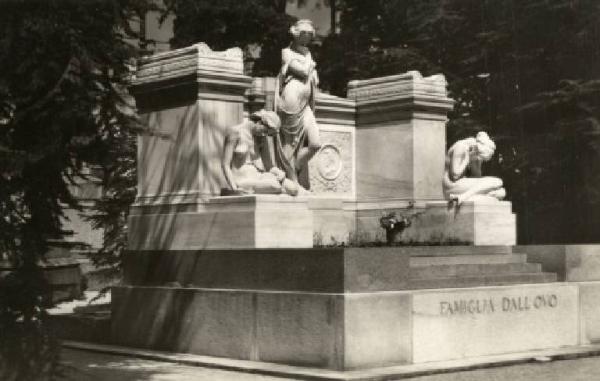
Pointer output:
x,y
345,331
478,223
400,136
458,324
329,308
333,331
256,221
188,98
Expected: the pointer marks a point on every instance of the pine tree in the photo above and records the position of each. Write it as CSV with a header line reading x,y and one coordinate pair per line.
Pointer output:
x,y
526,72
64,67
259,27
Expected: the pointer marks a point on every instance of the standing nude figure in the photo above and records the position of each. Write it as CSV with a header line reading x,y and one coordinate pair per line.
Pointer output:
x,y
462,176
295,102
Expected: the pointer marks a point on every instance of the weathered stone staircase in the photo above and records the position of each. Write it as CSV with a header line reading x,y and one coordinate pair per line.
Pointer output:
x,y
472,266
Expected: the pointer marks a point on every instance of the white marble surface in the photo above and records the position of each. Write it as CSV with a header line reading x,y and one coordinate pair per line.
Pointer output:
x,y
474,222
256,221
461,323
590,312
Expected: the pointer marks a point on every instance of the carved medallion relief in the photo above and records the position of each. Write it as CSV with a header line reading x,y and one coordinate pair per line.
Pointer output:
x,y
331,168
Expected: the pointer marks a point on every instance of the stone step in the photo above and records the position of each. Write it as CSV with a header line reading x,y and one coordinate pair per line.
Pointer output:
x,y
427,251
459,270
481,280
467,259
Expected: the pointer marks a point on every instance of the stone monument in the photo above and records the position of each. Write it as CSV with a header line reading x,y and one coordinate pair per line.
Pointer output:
x,y
190,99
242,277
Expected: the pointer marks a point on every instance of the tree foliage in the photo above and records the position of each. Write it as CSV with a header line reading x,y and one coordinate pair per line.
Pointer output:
x,y
64,66
259,27
527,72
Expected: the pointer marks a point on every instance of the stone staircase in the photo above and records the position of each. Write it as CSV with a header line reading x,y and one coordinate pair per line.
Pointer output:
x,y
434,267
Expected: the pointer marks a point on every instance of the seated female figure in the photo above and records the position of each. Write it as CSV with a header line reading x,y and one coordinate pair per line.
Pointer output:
x,y
242,164
462,176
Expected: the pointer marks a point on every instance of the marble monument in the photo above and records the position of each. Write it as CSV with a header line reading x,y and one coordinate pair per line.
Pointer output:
x,y
233,253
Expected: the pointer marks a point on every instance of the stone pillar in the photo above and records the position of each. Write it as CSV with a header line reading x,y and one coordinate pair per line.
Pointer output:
x,y
188,97
400,136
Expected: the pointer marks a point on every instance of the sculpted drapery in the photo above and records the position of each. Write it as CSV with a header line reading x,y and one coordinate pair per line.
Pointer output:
x,y
296,89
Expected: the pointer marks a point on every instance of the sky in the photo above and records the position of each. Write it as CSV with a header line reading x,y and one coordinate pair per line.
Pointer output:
x,y
314,10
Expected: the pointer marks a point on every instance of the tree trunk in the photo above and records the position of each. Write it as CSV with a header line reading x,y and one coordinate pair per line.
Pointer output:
x,y
332,17
280,5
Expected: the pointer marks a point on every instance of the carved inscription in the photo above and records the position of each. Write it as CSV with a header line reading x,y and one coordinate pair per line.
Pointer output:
x,y
498,305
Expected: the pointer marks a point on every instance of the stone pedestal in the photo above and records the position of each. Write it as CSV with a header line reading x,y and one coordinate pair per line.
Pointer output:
x,y
478,223
188,98
256,221
400,136
337,309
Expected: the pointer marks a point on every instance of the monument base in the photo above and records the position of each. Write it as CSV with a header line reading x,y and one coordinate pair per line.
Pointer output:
x,y
480,223
356,331
281,221
253,221
349,308
477,223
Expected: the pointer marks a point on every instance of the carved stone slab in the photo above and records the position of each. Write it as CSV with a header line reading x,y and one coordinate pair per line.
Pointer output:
x,y
331,169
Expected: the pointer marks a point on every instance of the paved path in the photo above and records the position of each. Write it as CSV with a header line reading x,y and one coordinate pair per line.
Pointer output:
x,y
90,366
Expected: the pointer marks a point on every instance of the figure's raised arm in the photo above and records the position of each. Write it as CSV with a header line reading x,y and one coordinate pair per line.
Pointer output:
x,y
296,66
459,160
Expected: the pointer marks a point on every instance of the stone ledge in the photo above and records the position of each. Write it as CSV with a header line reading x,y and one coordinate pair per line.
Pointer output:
x,y
411,82
377,374
257,221
474,222
185,61
303,270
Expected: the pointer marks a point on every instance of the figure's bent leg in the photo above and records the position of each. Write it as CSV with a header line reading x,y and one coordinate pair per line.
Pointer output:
x,y
479,185
262,185
313,139
500,194
290,187
287,144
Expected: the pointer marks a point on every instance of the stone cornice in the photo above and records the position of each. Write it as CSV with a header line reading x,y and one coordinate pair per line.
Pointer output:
x,y
196,64
397,85
403,108
400,96
335,110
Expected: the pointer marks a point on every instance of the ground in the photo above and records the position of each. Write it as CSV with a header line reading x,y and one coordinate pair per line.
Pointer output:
x,y
84,366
